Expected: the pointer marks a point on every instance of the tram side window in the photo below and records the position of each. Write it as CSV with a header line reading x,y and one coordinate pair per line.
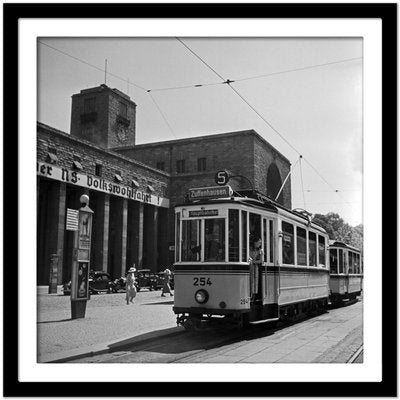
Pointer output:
x,y
312,249
321,250
233,235
287,243
215,239
351,262
301,246
356,263
191,234
271,241
345,262
265,240
333,261
244,236
177,236
341,261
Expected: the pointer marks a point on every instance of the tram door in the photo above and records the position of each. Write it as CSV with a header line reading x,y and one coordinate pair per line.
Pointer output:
x,y
256,254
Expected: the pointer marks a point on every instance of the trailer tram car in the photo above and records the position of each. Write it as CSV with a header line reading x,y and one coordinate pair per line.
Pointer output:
x,y
218,278
345,272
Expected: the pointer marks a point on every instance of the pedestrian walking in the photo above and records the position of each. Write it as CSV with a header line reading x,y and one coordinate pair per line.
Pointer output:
x,y
166,286
130,285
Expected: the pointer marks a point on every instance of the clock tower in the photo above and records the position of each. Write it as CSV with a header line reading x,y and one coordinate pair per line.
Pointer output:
x,y
104,116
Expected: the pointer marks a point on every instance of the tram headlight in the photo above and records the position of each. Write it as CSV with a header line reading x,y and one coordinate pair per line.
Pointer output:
x,y
201,296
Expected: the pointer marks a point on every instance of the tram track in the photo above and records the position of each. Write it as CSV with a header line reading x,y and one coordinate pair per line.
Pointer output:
x,y
354,357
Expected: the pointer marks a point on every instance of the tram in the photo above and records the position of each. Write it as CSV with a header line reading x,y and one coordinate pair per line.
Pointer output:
x,y
242,258
345,272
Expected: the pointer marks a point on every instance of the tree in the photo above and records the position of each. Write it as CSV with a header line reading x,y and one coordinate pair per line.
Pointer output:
x,y
338,229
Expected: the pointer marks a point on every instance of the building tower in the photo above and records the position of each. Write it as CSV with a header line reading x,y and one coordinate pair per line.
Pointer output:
x,y
104,116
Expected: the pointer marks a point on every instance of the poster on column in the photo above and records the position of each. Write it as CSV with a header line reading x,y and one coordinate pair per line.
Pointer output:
x,y
83,280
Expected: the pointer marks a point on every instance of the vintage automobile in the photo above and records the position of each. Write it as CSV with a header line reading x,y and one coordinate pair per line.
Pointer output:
x,y
119,285
99,281
145,279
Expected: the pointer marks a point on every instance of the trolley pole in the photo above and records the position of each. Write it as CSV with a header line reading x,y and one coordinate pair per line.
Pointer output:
x,y
81,260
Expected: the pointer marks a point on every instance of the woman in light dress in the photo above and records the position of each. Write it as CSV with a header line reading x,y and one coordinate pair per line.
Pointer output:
x,y
130,285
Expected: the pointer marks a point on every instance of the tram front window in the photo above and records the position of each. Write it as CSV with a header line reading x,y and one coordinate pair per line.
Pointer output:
x,y
214,239
191,234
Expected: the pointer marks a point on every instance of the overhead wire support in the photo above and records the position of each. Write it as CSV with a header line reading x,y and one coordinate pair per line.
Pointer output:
x,y
287,177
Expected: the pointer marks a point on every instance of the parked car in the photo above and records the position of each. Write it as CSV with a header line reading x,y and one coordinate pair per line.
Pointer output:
x,y
160,280
99,281
119,285
145,279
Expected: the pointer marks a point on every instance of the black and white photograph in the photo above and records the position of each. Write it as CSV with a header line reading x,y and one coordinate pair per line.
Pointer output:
x,y
203,202
234,164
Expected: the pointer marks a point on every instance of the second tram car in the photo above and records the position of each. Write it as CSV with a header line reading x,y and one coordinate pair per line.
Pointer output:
x,y
345,271
243,258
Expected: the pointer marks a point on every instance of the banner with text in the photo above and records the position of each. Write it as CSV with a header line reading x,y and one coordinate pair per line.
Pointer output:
x,y
99,184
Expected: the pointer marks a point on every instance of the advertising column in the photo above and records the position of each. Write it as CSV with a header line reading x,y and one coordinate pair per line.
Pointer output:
x,y
81,261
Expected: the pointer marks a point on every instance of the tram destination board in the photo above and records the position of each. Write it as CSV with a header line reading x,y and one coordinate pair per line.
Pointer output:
x,y
210,192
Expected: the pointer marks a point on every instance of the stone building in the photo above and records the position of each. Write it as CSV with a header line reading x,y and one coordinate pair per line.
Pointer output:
x,y
133,188
128,199
250,160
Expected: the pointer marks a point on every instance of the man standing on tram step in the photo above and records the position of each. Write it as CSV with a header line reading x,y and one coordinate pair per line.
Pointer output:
x,y
166,287
255,261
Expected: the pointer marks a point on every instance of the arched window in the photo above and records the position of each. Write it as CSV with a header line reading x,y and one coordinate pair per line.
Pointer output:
x,y
274,183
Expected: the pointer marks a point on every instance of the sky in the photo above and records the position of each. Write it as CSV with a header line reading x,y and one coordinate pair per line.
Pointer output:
x,y
302,95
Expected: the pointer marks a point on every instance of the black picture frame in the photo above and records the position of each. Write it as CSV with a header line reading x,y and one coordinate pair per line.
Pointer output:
x,y
12,387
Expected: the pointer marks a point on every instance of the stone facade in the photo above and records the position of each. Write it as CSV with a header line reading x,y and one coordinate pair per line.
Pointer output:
x,y
128,199
244,154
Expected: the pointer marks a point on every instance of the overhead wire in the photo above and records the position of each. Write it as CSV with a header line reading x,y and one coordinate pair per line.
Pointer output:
x,y
302,186
209,66
229,82
163,116
224,81
329,191
115,76
93,66
298,69
327,203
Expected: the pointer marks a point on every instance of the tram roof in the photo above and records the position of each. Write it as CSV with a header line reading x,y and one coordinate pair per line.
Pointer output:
x,y
338,243
253,198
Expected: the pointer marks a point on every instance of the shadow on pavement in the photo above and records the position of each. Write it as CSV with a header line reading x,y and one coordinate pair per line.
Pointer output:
x,y
159,303
57,320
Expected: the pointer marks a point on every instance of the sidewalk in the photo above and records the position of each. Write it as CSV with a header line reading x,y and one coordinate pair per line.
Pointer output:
x,y
109,323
